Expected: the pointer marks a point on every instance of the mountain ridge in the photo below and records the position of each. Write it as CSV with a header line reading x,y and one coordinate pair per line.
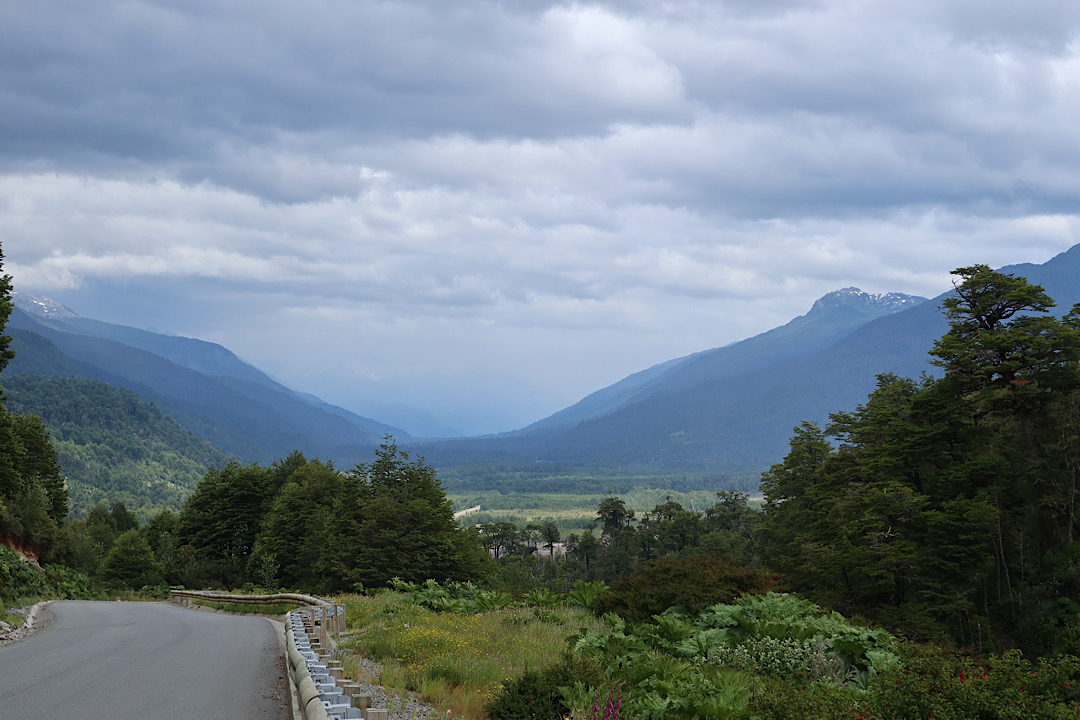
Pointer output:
x,y
831,316
723,410
257,420
738,422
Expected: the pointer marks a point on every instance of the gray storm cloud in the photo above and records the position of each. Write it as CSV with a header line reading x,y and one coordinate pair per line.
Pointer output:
x,y
568,192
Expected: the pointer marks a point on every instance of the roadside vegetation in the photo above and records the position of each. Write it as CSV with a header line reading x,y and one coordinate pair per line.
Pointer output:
x,y
764,655
457,660
243,608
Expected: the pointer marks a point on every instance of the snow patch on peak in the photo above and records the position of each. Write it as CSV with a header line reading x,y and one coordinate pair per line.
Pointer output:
x,y
853,296
41,306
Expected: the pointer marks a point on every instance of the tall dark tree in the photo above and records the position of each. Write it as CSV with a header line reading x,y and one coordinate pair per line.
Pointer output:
x,y
394,520
221,519
947,506
292,546
6,353
729,527
131,562
1004,346
549,532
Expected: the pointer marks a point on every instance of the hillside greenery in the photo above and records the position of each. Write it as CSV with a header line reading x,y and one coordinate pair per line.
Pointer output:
x,y
33,495
949,508
113,447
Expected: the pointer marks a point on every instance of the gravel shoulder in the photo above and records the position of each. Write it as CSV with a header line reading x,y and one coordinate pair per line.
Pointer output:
x,y
402,706
35,618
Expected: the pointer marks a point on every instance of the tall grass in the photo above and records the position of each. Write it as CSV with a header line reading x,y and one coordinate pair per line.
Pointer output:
x,y
456,662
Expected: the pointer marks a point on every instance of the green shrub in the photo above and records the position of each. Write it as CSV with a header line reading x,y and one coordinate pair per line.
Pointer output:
x,y
542,598
18,580
692,583
63,583
933,683
586,595
776,698
811,635
17,577
946,686
537,694
787,658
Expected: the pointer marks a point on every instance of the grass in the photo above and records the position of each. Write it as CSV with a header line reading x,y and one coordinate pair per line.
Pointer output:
x,y
248,608
456,662
10,619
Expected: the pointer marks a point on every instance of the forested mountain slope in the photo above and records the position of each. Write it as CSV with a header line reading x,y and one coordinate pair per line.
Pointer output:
x,y
243,412
112,446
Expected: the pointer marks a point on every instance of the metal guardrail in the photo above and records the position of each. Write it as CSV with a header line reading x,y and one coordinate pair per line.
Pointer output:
x,y
319,684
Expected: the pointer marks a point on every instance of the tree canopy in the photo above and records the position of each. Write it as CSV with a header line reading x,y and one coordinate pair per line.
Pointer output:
x,y
304,524
947,507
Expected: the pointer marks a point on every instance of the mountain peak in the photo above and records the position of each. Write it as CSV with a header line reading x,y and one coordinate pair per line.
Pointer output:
x,y
853,297
41,306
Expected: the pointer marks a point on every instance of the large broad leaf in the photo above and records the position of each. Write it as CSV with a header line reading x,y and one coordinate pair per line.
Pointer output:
x,y
703,645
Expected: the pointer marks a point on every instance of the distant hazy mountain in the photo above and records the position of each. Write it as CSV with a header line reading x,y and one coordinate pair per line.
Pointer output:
x,y
205,357
732,409
206,388
832,317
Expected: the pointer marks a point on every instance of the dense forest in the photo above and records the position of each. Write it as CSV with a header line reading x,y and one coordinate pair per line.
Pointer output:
x,y
112,446
949,507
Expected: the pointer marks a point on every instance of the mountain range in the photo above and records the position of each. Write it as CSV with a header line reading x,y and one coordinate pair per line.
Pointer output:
x,y
731,410
202,385
725,411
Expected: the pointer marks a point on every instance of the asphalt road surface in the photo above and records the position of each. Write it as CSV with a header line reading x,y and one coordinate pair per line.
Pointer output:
x,y
144,661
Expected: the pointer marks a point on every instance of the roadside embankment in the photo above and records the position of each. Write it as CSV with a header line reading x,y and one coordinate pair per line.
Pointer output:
x,y
34,618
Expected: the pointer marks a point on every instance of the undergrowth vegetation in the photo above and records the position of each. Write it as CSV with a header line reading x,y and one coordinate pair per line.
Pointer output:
x,y
768,657
22,583
459,661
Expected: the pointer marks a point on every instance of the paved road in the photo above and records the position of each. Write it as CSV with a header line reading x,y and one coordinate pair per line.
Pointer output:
x,y
143,661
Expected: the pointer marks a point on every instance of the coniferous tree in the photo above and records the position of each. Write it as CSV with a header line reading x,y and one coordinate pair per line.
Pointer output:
x,y
947,506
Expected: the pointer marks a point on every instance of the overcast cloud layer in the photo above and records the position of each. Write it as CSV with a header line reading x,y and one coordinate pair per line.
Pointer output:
x,y
490,209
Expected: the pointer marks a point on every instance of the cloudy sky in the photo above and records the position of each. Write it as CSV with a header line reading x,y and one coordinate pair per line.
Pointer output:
x,y
487,210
